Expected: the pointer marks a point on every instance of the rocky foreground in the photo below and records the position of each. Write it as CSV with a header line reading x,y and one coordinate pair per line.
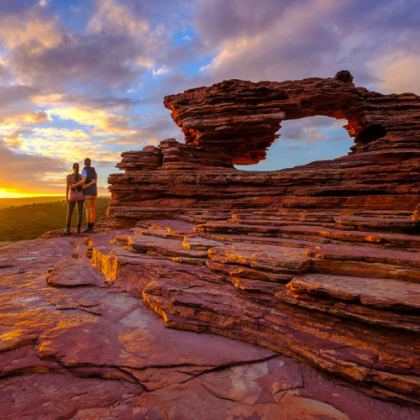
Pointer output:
x,y
75,344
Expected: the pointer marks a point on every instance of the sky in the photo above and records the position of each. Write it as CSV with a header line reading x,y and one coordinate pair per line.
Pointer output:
x,y
86,78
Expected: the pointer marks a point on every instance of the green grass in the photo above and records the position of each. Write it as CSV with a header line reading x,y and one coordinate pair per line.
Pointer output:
x,y
29,221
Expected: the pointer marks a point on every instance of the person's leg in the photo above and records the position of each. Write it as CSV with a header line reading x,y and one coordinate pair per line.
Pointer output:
x,y
88,204
79,214
70,208
93,211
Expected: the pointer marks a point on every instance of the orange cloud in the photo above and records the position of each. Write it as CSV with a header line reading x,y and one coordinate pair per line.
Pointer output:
x,y
398,72
34,31
113,16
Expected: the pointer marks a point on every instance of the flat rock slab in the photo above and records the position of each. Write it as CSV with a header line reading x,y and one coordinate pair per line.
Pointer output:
x,y
164,247
265,257
175,229
272,389
69,273
367,254
198,243
381,293
377,222
56,395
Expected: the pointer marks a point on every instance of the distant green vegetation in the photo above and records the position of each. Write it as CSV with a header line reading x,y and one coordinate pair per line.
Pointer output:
x,y
14,202
28,221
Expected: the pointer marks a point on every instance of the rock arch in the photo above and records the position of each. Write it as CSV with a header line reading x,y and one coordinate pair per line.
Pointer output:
x,y
241,118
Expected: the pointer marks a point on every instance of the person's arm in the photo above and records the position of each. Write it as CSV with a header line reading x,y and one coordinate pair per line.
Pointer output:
x,y
81,182
90,183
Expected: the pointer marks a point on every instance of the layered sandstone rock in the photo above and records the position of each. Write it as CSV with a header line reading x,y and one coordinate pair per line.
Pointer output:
x,y
233,122
350,309
73,344
319,262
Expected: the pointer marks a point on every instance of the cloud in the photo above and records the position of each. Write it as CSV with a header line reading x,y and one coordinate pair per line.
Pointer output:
x,y
30,30
112,17
280,41
101,119
15,96
26,173
312,129
285,40
13,126
397,72
161,71
116,48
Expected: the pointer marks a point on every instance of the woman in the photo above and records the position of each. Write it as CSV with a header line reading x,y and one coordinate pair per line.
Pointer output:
x,y
74,195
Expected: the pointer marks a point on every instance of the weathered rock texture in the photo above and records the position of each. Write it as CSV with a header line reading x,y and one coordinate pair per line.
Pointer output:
x,y
75,346
319,262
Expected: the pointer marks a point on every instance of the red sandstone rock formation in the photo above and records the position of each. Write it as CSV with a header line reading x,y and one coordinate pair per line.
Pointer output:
x,y
314,268
235,121
314,261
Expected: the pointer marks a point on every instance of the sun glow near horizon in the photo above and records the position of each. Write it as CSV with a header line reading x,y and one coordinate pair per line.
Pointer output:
x,y
13,193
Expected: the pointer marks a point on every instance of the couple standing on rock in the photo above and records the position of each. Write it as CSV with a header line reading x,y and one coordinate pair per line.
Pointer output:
x,y
82,189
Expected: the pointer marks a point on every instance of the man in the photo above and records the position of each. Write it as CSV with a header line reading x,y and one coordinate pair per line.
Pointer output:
x,y
90,190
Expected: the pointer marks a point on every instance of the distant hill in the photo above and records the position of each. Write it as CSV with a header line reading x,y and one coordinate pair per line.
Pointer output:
x,y
20,220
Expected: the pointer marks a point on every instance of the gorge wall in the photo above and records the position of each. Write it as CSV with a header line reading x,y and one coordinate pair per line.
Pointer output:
x,y
319,262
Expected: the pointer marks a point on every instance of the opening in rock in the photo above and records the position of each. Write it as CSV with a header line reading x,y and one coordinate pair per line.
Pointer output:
x,y
303,141
371,133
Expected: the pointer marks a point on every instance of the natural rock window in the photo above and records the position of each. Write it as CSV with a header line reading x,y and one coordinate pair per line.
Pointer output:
x,y
303,141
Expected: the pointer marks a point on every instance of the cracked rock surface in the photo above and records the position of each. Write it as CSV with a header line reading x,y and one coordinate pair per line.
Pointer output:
x,y
75,344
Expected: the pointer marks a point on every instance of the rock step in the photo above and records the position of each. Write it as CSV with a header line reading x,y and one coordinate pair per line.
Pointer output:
x,y
273,215
278,221
348,308
351,309
268,259
164,247
361,261
260,240
389,223
378,293
171,226
394,224
198,243
286,260
312,232
243,274
367,254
